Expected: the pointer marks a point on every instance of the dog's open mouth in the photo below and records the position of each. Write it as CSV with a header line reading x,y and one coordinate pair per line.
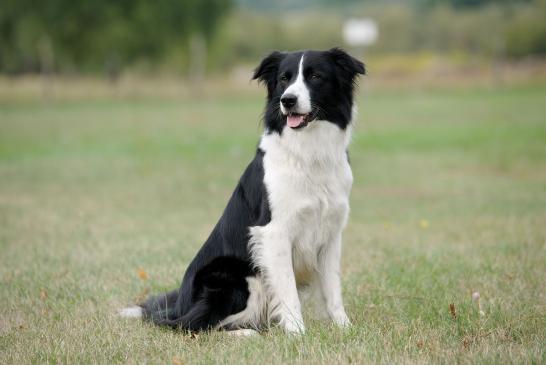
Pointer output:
x,y
296,121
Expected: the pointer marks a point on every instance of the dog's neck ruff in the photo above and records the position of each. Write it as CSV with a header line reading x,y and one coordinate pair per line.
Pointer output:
x,y
320,142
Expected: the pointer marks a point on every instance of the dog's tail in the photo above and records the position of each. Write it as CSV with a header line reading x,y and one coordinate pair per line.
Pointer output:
x,y
158,309
162,311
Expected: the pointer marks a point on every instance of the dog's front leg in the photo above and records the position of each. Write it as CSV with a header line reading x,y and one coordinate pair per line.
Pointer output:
x,y
273,253
330,282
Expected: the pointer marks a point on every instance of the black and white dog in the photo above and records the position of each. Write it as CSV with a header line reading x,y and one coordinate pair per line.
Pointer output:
x,y
279,237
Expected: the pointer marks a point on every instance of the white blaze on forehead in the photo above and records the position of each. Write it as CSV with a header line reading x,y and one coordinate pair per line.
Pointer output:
x,y
300,90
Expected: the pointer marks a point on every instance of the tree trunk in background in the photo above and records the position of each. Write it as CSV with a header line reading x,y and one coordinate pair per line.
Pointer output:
x,y
197,61
46,56
112,66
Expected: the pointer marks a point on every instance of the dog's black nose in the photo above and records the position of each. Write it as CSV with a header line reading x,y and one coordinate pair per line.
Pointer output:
x,y
289,100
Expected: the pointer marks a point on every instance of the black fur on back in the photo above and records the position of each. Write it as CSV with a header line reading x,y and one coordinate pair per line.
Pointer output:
x,y
214,285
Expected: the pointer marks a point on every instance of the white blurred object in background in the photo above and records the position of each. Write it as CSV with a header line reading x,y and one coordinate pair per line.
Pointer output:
x,y
360,32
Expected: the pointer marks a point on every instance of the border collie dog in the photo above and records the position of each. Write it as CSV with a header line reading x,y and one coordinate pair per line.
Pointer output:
x,y
279,238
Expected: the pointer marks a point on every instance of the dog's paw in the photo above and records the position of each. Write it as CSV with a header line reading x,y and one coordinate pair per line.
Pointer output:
x,y
294,327
341,320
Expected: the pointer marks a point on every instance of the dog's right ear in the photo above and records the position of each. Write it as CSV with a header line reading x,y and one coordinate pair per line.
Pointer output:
x,y
266,72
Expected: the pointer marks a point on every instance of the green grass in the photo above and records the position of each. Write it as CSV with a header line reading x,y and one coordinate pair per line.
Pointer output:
x,y
91,192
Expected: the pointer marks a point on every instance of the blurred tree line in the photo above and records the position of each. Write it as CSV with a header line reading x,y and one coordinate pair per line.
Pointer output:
x,y
89,36
484,29
104,36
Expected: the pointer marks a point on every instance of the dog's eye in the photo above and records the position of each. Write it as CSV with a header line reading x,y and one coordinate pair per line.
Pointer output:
x,y
314,77
284,78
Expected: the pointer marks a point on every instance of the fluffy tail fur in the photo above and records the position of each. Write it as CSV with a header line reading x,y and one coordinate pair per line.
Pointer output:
x,y
219,289
156,308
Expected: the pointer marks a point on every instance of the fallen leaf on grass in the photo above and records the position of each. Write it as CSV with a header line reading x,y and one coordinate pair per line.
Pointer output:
x,y
452,311
177,361
424,223
142,274
43,294
420,344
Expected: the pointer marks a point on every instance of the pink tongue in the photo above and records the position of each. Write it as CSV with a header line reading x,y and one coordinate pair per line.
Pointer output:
x,y
294,120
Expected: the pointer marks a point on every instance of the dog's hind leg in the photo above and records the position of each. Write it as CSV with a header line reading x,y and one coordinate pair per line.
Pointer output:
x,y
254,315
222,289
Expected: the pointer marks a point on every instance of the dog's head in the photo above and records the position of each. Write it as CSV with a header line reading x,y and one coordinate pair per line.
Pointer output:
x,y
308,85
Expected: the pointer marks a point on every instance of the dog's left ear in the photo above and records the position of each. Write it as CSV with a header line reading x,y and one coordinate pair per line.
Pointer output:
x,y
348,64
266,72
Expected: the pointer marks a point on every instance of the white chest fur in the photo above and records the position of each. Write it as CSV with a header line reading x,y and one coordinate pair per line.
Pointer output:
x,y
308,179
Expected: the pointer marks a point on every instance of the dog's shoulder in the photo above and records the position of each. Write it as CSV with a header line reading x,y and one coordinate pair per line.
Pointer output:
x,y
248,205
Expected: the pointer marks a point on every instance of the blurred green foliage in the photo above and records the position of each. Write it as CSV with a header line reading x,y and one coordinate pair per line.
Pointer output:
x,y
470,3
494,31
99,34
284,5
113,36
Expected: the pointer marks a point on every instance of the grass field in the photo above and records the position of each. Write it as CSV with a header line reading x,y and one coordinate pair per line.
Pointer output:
x,y
105,201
